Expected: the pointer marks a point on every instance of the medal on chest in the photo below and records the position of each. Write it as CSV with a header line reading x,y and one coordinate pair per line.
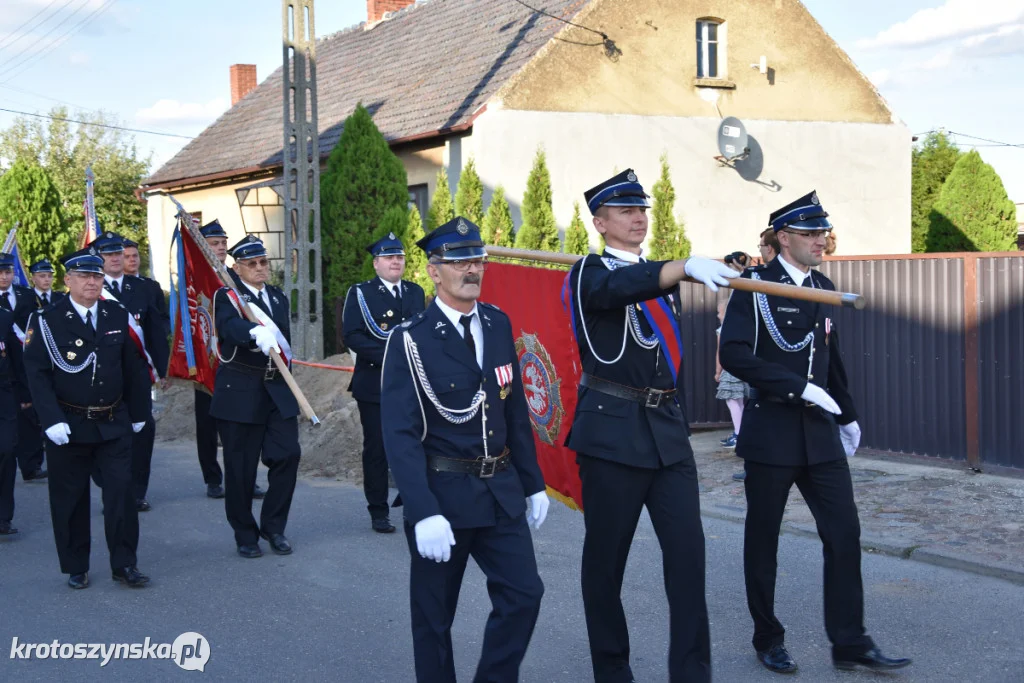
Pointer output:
x,y
504,374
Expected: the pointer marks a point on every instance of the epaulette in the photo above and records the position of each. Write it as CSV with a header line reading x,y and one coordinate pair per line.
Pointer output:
x,y
109,302
492,307
758,268
412,322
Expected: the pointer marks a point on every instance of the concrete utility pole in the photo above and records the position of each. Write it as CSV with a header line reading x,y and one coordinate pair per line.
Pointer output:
x,y
302,276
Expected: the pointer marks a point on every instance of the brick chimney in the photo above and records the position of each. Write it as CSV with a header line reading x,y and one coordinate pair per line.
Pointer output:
x,y
243,81
375,9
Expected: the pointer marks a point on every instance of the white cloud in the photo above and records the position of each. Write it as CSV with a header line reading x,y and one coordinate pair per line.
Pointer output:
x,y
951,20
79,58
182,113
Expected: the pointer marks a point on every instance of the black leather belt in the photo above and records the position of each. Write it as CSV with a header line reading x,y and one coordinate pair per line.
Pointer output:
x,y
92,412
268,372
485,468
650,398
756,395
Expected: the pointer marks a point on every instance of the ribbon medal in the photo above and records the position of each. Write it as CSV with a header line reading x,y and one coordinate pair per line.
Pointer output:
x,y
504,374
828,329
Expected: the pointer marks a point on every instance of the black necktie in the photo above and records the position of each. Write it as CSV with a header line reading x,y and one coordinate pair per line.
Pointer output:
x,y
114,288
46,299
88,319
397,292
4,298
466,321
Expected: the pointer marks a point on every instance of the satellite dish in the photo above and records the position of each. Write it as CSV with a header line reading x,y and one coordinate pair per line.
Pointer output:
x,y
732,139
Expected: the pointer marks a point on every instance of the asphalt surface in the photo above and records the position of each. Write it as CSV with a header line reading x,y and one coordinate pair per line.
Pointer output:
x,y
337,609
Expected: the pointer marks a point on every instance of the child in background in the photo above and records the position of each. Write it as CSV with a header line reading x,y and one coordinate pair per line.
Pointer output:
x,y
730,389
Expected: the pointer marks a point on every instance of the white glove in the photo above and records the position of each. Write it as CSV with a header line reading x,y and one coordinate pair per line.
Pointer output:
x,y
709,271
264,339
59,433
819,396
434,538
850,436
539,505
137,426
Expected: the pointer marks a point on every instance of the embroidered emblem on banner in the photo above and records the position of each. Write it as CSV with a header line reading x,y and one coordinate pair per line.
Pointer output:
x,y
542,387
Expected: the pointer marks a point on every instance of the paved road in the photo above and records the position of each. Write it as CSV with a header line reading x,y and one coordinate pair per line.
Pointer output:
x,y
337,609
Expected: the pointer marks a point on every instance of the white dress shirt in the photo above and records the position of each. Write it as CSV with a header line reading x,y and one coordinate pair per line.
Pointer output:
x,y
82,311
390,286
798,276
475,327
260,294
624,255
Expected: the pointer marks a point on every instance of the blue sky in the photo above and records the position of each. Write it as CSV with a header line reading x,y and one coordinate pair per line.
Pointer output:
x,y
163,66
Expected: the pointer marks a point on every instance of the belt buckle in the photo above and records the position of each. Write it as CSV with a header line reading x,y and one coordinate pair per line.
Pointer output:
x,y
92,413
488,466
653,398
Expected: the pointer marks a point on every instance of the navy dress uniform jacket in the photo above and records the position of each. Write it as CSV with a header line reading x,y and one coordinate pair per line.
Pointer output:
x,y
241,392
608,427
54,298
120,371
466,500
365,384
139,299
11,375
24,305
777,427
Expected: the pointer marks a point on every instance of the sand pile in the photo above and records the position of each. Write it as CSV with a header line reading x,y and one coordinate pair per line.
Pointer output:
x,y
331,450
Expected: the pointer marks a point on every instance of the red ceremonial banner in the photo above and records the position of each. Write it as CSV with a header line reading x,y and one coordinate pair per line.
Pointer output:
x,y
549,362
196,361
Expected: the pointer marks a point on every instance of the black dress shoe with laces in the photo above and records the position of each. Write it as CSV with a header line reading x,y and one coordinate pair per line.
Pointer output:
x,y
79,581
214,491
383,525
37,475
142,505
777,659
6,529
130,576
873,659
250,551
257,492
278,543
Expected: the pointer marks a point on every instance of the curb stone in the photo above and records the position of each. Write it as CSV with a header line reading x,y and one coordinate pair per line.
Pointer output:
x,y
927,554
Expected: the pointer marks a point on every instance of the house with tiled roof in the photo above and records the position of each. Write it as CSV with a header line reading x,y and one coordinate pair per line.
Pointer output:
x,y
600,86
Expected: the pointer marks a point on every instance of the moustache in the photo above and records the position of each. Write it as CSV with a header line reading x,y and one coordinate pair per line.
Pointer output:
x,y
471,279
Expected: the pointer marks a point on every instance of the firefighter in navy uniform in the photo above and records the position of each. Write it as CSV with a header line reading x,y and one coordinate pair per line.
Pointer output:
x,y
372,310
11,373
41,274
90,389
631,435
799,426
28,449
460,446
132,293
255,410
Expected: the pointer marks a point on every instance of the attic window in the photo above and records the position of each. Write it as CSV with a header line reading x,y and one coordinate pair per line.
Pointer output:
x,y
710,48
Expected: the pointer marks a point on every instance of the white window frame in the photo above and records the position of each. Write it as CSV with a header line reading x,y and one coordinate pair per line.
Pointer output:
x,y
703,53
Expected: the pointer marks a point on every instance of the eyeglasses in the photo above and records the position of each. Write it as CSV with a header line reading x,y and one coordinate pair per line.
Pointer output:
x,y
763,246
464,266
812,234
255,263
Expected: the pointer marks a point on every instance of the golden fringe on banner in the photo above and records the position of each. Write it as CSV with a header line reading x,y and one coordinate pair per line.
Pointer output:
x,y
564,500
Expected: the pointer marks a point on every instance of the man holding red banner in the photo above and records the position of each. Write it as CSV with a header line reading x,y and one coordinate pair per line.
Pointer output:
x,y
631,435
255,410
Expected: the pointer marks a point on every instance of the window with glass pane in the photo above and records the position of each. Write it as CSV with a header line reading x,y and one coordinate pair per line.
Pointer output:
x,y
707,49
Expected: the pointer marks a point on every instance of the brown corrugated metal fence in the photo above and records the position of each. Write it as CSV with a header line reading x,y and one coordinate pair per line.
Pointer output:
x,y
936,360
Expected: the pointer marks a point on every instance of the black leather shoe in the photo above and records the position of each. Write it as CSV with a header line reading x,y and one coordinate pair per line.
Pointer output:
x,y
250,551
142,505
257,492
38,475
6,529
214,491
873,659
130,576
79,581
777,659
278,543
383,525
